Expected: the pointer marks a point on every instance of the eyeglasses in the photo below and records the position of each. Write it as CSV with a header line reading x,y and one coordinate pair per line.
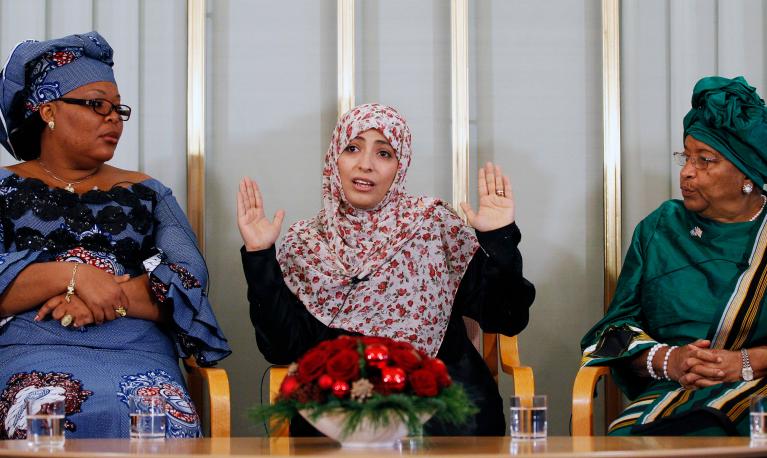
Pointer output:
x,y
700,163
101,106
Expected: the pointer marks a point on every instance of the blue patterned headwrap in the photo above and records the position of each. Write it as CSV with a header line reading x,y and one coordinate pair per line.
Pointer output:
x,y
38,72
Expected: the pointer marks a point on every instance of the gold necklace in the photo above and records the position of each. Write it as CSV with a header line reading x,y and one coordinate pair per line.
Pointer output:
x,y
69,184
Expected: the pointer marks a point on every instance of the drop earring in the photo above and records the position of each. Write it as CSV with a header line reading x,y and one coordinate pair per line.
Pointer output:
x,y
51,125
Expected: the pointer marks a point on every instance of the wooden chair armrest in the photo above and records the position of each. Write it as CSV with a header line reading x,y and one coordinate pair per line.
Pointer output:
x,y
276,375
218,395
524,381
583,398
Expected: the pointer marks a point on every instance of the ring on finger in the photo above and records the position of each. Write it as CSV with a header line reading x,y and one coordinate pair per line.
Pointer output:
x,y
66,320
121,311
499,192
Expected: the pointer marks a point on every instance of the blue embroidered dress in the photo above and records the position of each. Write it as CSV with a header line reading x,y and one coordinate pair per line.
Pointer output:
x,y
97,367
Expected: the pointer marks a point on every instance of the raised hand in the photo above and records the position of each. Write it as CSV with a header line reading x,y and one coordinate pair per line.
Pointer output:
x,y
496,200
256,230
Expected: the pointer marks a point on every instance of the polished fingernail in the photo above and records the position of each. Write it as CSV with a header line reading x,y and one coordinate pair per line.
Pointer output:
x,y
37,318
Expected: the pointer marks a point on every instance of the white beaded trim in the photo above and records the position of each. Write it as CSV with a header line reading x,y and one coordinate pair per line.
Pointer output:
x,y
665,362
650,357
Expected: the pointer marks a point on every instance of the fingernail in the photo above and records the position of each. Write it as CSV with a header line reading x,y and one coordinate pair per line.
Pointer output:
x,y
37,317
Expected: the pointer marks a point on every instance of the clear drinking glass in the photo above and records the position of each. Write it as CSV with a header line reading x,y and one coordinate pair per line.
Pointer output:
x,y
528,417
758,412
45,422
147,417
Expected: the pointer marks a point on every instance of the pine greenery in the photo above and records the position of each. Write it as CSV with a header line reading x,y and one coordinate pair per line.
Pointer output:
x,y
450,406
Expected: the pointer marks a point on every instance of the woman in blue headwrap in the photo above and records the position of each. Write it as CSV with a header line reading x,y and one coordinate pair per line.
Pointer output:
x,y
102,286
685,333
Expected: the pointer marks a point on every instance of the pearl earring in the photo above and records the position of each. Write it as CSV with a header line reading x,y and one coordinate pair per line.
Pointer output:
x,y
747,188
51,125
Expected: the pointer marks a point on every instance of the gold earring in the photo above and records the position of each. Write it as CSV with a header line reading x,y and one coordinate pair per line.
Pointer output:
x,y
51,125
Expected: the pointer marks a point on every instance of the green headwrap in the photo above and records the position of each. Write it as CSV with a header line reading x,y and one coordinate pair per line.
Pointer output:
x,y
728,115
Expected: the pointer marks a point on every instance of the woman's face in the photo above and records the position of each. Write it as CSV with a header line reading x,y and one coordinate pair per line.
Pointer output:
x,y
80,130
714,192
367,167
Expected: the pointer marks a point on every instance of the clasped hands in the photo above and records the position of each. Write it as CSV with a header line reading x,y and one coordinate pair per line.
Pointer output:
x,y
696,365
98,297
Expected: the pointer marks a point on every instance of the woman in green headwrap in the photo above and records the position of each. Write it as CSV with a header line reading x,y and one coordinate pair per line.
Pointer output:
x,y
685,334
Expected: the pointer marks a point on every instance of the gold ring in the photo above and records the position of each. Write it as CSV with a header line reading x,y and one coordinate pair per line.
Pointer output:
x,y
499,192
66,320
121,311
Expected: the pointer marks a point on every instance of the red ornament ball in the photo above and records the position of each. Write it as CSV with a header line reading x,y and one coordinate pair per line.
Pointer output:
x,y
289,385
377,355
393,378
325,382
340,389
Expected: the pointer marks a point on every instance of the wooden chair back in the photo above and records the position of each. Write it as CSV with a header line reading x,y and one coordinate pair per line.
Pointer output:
x,y
218,398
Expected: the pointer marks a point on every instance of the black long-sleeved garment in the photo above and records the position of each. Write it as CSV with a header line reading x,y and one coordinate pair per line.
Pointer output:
x,y
492,291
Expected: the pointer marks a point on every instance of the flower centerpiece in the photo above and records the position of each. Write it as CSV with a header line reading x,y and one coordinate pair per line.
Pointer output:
x,y
368,383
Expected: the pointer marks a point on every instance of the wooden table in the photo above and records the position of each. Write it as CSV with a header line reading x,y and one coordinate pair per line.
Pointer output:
x,y
436,446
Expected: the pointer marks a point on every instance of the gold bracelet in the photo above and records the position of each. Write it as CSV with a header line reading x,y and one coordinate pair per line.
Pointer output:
x,y
71,286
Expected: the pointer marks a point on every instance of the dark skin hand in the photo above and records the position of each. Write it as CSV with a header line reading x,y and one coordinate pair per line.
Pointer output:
x,y
141,305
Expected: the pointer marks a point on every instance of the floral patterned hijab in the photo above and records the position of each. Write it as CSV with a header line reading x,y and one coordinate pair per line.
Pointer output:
x,y
390,271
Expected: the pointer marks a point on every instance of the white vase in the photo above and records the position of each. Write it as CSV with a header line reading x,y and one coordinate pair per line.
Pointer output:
x,y
366,434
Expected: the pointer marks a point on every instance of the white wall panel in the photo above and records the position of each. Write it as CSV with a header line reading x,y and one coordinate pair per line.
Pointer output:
x,y
161,119
121,19
538,109
741,44
693,54
68,17
403,60
272,83
645,125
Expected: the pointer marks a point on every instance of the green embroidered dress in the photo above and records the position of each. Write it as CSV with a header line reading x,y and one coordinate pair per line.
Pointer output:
x,y
684,278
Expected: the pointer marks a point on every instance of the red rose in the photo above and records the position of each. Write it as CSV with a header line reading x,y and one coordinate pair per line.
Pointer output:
x,y
424,383
406,359
438,368
343,342
311,365
404,346
345,365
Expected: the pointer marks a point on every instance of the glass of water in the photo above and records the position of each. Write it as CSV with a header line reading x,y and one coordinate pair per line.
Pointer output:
x,y
528,417
147,416
758,412
45,422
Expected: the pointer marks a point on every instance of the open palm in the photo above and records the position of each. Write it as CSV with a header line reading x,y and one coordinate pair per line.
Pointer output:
x,y
256,230
496,200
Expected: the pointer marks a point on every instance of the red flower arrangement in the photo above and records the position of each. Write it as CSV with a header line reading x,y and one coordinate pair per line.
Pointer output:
x,y
369,378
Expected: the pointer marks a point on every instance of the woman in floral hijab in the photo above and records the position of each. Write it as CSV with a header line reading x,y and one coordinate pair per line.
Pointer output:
x,y
379,261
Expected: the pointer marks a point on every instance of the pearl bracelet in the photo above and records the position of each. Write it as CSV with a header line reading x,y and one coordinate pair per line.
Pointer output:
x,y
665,362
650,357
